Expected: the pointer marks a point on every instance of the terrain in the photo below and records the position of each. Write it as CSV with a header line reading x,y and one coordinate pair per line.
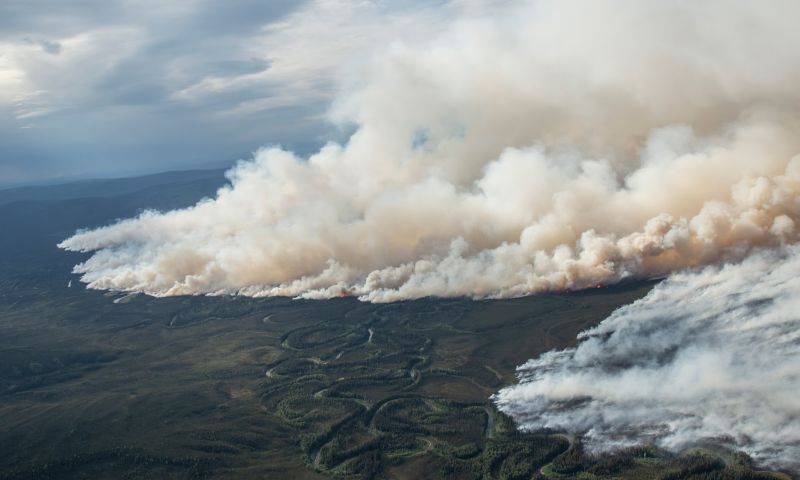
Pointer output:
x,y
107,385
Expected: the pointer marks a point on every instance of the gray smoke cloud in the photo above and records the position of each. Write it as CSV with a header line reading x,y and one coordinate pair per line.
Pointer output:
x,y
711,354
531,146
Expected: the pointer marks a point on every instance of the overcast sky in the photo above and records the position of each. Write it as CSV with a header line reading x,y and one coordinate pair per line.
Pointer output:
x,y
92,88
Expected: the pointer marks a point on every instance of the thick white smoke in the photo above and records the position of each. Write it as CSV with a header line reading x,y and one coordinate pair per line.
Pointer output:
x,y
545,145
706,355
554,144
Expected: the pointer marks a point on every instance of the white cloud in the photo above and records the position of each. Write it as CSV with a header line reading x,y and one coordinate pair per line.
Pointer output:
x,y
320,46
108,83
307,52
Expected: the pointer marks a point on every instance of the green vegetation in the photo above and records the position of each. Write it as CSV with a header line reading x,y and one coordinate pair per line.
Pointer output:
x,y
273,388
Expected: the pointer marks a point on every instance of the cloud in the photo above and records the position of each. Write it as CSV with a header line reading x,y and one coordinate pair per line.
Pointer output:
x,y
103,86
53,48
551,145
710,355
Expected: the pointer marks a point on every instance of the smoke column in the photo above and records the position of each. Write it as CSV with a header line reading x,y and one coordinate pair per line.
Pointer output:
x,y
551,145
706,355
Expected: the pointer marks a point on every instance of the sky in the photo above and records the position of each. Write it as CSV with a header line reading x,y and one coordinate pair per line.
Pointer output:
x,y
96,88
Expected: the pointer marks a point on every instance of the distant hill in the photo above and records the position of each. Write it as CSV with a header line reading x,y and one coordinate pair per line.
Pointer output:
x,y
33,220
108,187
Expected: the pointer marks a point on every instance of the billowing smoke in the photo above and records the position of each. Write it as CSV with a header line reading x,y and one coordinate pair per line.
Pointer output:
x,y
539,145
706,355
545,145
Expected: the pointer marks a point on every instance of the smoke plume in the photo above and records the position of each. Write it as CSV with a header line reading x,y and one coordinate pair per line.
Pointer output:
x,y
535,146
706,355
549,145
